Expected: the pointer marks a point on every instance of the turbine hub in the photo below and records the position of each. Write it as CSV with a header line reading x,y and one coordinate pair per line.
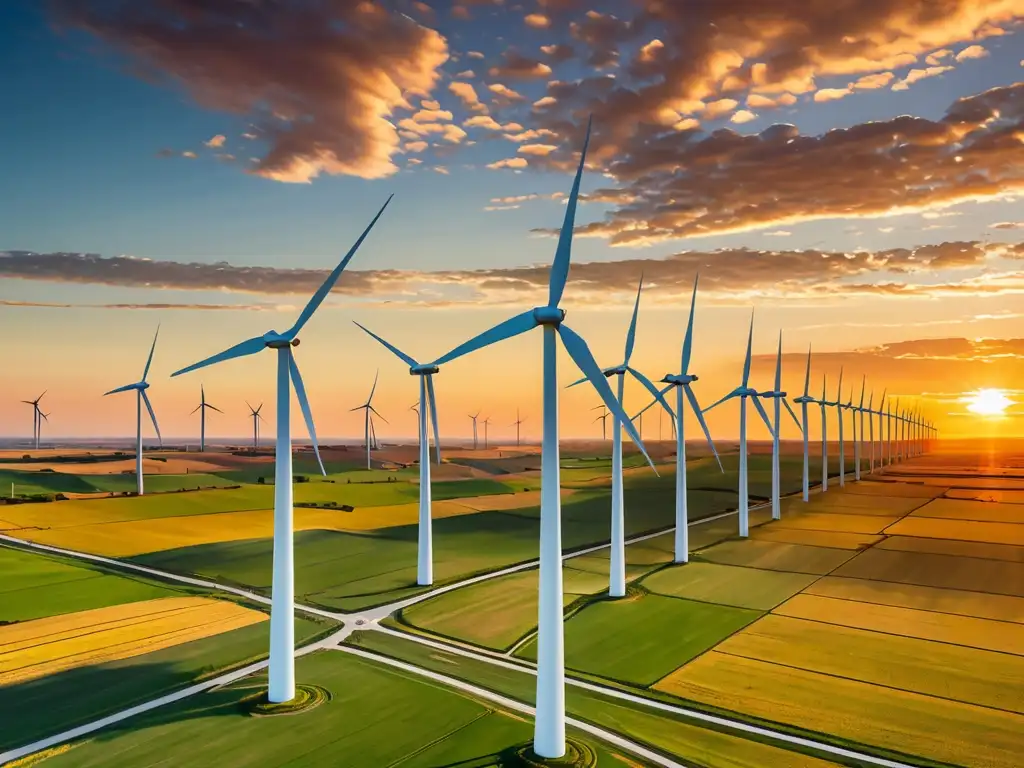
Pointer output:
x,y
618,370
142,385
679,379
275,340
424,370
747,392
548,315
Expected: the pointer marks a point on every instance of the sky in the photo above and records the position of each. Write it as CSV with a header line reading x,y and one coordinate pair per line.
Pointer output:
x,y
852,173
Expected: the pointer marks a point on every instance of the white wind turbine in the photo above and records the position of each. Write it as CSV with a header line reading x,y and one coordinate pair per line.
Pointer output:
x,y
847,406
141,397
603,418
838,404
744,391
824,404
681,382
425,545
517,424
780,400
474,417
549,721
859,440
35,418
203,405
486,422
871,431
881,428
804,401
617,554
281,671
369,432
256,418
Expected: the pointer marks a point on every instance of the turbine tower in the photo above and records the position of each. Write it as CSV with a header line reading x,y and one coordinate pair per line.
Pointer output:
x,y
35,418
824,403
859,411
744,391
203,405
871,432
804,401
603,418
681,381
281,670
485,422
838,405
516,424
425,404
43,417
369,432
141,397
256,419
617,554
474,417
780,400
549,721
847,406
881,428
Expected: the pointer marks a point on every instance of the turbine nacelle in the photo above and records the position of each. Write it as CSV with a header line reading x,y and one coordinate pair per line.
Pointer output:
x,y
773,394
426,369
548,315
805,399
680,380
745,392
618,370
275,340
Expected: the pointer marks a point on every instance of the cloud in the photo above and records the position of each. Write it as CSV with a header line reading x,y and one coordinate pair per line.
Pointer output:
x,y
162,306
516,66
558,52
1007,225
483,121
972,52
468,96
189,154
431,115
919,74
504,92
216,141
725,182
537,20
777,233
544,101
515,199
718,108
475,55
832,94
936,57
872,82
415,146
537,149
529,135
511,162
742,116
319,80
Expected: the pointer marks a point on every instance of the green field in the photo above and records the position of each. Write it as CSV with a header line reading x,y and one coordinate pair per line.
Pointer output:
x,y
376,717
640,640
728,585
29,482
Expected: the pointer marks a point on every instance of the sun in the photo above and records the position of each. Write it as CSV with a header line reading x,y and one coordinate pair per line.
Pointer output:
x,y
988,402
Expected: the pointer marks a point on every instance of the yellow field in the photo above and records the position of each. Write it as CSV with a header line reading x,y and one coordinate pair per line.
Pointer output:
x,y
931,570
982,606
138,537
34,649
777,556
943,730
999,497
833,521
965,530
909,622
969,675
961,509
976,549
832,539
888,488
502,501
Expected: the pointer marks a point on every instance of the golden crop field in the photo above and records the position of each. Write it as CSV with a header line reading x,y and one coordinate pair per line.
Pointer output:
x,y
909,622
965,530
999,497
42,647
777,556
976,549
876,487
961,602
932,727
969,675
962,509
832,539
835,521
931,570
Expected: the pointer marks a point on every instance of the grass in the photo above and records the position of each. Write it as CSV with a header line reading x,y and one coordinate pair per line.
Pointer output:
x,y
640,640
413,722
938,669
934,728
776,556
932,570
832,539
965,530
976,549
35,586
52,704
727,584
833,521
35,482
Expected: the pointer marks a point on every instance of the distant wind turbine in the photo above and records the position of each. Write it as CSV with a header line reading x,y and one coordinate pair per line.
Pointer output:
x,y
35,418
603,418
281,671
43,417
681,381
517,424
859,440
141,397
425,404
779,398
804,401
549,719
368,412
203,405
744,391
838,405
485,422
474,417
256,418
871,431
617,555
881,429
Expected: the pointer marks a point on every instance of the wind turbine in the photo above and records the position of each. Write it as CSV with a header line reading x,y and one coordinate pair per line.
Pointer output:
x,y
141,397
516,424
549,721
894,439
838,405
805,400
881,429
203,405
603,418
617,555
681,382
281,671
485,422
43,417
871,432
35,418
780,400
824,403
426,402
744,391
847,406
256,418
474,418
859,410
368,431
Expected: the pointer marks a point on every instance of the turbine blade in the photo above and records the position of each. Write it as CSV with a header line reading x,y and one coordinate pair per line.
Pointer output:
x,y
793,414
196,409
152,416
247,347
307,414
373,388
321,293
807,377
839,389
214,408
863,383
578,382
506,330
764,416
581,355
703,424
631,335
560,266
374,410
684,366
649,386
125,388
149,360
433,416
778,366
647,407
717,403
750,342
395,350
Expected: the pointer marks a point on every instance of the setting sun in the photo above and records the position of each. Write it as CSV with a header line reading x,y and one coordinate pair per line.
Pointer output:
x,y
988,402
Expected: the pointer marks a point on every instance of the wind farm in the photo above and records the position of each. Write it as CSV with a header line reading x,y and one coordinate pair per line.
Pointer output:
x,y
577,217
